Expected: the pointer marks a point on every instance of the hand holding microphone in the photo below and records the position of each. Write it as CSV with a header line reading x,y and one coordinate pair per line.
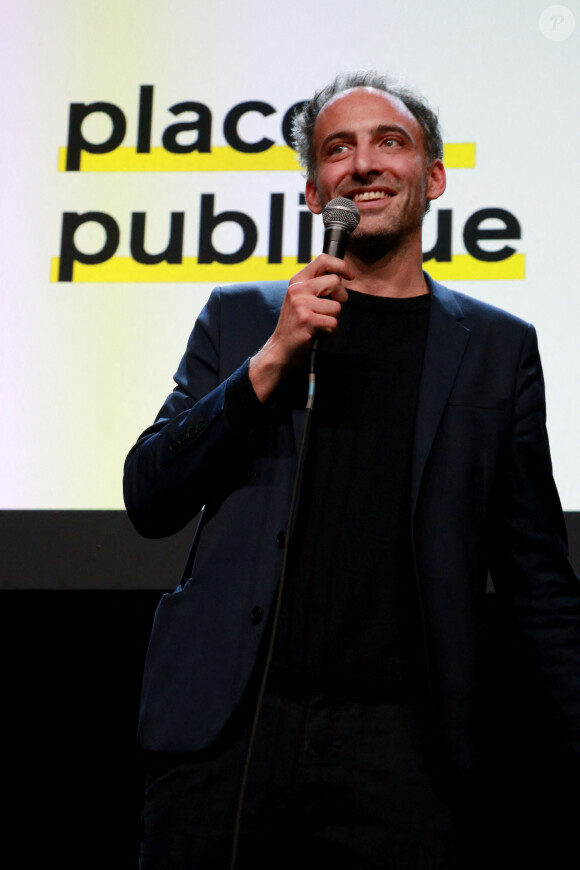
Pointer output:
x,y
318,288
312,303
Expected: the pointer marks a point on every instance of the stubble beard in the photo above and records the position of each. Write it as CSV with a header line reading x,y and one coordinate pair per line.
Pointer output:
x,y
369,245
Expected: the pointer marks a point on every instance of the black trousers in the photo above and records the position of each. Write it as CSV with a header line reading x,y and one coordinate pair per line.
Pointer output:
x,y
334,782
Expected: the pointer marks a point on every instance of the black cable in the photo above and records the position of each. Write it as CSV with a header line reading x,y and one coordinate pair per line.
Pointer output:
x,y
278,601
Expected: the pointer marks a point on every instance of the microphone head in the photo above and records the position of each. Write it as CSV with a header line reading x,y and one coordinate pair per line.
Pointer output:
x,y
342,212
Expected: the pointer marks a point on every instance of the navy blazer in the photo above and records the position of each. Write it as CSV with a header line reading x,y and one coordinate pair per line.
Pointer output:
x,y
483,499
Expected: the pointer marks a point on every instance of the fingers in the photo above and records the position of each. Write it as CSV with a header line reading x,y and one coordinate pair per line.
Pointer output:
x,y
324,287
312,305
325,263
307,314
324,276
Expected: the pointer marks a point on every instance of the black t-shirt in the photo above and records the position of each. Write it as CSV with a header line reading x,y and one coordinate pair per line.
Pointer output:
x,y
349,612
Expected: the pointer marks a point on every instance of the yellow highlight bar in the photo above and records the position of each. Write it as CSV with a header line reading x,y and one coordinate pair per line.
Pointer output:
x,y
459,155
463,267
278,158
125,270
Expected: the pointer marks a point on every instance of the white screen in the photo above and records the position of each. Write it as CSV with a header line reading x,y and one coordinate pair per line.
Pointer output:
x,y
87,362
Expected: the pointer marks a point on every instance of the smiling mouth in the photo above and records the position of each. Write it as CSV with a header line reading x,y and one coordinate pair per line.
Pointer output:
x,y
369,195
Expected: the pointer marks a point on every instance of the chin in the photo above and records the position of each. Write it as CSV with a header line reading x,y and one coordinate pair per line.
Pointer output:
x,y
386,232
375,244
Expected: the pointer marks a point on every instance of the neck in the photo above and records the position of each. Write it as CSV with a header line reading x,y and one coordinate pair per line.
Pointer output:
x,y
387,271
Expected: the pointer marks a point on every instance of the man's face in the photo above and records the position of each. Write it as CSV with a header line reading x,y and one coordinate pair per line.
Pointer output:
x,y
369,148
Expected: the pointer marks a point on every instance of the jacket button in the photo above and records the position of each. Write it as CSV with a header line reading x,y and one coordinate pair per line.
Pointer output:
x,y
281,539
194,431
256,616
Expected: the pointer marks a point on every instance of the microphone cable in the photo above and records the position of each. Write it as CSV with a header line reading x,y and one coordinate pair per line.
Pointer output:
x,y
278,600
340,217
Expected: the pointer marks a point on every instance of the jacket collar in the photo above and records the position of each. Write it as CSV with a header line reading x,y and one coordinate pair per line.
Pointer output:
x,y
447,340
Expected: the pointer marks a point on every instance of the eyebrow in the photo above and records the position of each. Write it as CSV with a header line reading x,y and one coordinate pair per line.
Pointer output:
x,y
380,129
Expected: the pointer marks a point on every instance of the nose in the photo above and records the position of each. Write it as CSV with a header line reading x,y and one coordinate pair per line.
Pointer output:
x,y
364,160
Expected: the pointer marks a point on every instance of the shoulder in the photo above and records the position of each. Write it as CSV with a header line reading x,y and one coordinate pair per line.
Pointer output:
x,y
269,294
473,312
241,316
243,306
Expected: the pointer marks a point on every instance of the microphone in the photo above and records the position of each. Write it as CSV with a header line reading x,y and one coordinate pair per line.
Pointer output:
x,y
340,217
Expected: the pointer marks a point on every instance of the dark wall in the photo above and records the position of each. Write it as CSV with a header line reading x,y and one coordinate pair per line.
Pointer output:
x,y
86,550
100,550
80,591
72,778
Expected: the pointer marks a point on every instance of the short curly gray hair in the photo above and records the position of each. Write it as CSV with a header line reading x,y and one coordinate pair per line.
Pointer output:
x,y
305,118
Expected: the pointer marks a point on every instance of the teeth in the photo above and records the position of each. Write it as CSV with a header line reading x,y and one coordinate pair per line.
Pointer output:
x,y
370,194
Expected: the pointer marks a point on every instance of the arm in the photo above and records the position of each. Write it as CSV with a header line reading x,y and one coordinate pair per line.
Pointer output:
x,y
177,462
529,559
205,429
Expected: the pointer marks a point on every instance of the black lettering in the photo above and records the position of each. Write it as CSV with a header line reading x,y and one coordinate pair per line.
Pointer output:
x,y
473,234
288,120
441,250
231,127
304,233
276,228
173,253
145,119
77,142
69,253
208,222
202,125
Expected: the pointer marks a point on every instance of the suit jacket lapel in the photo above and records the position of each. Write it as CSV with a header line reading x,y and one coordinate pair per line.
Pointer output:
x,y
447,339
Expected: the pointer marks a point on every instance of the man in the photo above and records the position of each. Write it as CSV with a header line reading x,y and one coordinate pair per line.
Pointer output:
x,y
427,465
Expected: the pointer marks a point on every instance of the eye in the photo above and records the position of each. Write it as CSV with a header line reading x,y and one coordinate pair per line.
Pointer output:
x,y
390,142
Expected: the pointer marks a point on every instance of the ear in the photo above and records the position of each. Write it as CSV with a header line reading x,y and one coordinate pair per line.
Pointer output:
x,y
312,198
436,180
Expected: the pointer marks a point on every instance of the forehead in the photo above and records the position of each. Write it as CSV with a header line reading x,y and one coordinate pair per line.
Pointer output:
x,y
360,109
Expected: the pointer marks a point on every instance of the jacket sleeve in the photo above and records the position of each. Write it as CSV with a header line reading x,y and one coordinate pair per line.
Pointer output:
x,y
529,559
198,438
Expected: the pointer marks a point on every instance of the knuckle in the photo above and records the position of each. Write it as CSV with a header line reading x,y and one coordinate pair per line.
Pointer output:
x,y
303,316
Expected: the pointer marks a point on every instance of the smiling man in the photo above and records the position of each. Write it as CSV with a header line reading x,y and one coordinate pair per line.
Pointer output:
x,y
369,147
427,466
